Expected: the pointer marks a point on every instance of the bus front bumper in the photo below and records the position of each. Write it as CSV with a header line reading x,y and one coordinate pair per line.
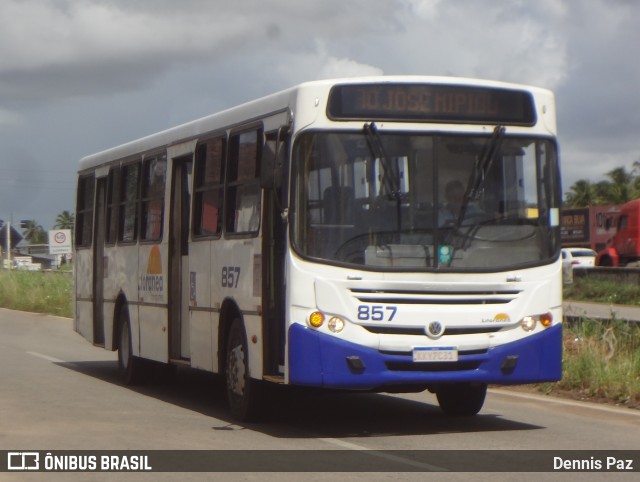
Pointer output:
x,y
317,359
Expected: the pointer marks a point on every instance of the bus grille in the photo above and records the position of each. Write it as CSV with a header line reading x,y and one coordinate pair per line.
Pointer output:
x,y
420,330
467,297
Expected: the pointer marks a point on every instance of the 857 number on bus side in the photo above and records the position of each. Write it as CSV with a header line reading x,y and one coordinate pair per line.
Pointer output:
x,y
230,276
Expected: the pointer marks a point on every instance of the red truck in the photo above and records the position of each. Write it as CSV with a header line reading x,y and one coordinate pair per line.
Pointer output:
x,y
624,247
588,227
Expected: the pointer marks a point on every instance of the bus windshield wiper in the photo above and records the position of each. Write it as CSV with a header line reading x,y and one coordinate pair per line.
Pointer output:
x,y
480,170
391,178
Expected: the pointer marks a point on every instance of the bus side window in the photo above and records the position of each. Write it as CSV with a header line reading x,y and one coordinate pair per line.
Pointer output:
x,y
128,209
84,210
243,183
111,220
209,187
153,183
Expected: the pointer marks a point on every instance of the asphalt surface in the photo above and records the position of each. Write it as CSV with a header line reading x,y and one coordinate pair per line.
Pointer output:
x,y
581,309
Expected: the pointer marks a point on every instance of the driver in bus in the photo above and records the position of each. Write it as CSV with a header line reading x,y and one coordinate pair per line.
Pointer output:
x,y
450,211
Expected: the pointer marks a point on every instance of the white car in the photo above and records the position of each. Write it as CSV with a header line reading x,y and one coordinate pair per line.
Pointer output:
x,y
578,258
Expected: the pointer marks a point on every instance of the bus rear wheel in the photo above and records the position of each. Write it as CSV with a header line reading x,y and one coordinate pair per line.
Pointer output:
x,y
242,390
131,367
461,399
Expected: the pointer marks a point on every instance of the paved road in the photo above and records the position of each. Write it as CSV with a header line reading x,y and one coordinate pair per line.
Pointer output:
x,y
601,310
58,392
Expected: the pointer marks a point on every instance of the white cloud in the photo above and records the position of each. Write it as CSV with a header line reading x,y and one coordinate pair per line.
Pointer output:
x,y
426,9
36,34
81,75
10,118
334,67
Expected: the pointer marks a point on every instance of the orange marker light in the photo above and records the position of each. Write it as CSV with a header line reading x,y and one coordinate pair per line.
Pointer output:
x,y
316,319
546,320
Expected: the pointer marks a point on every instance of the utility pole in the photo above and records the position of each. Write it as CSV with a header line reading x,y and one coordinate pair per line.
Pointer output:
x,y
8,245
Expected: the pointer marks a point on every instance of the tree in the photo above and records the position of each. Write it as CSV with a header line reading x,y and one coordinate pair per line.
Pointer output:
x,y
65,220
581,194
33,232
621,187
602,193
619,192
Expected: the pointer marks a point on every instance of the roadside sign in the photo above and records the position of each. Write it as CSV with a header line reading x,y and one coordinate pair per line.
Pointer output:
x,y
60,241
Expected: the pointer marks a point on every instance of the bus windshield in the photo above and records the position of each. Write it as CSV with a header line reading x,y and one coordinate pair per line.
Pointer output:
x,y
419,202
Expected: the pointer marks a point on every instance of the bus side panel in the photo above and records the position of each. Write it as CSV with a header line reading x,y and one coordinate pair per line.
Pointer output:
x,y
253,324
112,286
236,274
83,261
108,310
200,303
122,280
152,307
154,339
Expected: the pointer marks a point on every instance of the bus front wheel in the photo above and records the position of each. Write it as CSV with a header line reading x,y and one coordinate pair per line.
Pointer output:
x,y
461,399
242,390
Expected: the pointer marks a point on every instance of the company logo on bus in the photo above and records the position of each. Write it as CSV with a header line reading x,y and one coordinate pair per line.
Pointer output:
x,y
499,318
153,281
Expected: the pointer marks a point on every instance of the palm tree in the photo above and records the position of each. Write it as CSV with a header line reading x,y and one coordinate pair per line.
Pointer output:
x,y
34,233
620,182
603,193
581,195
65,220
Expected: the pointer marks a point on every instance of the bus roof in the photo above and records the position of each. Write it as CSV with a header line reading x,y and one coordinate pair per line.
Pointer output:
x,y
271,104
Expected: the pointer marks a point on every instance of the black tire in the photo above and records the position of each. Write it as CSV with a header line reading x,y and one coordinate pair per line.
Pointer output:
x,y
242,391
131,367
606,261
461,399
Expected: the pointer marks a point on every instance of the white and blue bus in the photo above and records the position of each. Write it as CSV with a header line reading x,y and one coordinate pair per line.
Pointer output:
x,y
392,234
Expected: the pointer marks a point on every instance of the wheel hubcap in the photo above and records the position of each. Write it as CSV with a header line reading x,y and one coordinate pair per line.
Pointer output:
x,y
236,373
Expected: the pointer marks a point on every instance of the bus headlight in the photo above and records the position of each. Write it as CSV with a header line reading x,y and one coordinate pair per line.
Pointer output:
x,y
335,324
316,319
528,323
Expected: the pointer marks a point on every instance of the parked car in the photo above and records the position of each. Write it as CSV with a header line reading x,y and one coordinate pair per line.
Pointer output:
x,y
578,257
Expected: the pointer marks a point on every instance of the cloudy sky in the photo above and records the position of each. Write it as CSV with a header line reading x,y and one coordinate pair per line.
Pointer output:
x,y
79,76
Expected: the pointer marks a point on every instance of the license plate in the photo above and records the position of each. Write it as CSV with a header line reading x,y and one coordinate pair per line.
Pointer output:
x,y
435,354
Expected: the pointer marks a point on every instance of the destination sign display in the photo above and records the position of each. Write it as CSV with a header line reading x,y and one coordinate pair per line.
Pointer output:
x,y
431,103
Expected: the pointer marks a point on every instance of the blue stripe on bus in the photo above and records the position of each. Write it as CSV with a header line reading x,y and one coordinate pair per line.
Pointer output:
x,y
317,359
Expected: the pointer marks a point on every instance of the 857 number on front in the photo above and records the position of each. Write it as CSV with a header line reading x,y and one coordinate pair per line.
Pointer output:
x,y
376,312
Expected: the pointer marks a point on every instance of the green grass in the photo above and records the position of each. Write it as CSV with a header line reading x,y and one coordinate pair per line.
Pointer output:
x,y
602,291
37,292
601,361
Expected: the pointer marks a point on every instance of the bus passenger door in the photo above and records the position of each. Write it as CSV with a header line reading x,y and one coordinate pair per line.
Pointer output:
x,y
274,248
98,262
178,262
